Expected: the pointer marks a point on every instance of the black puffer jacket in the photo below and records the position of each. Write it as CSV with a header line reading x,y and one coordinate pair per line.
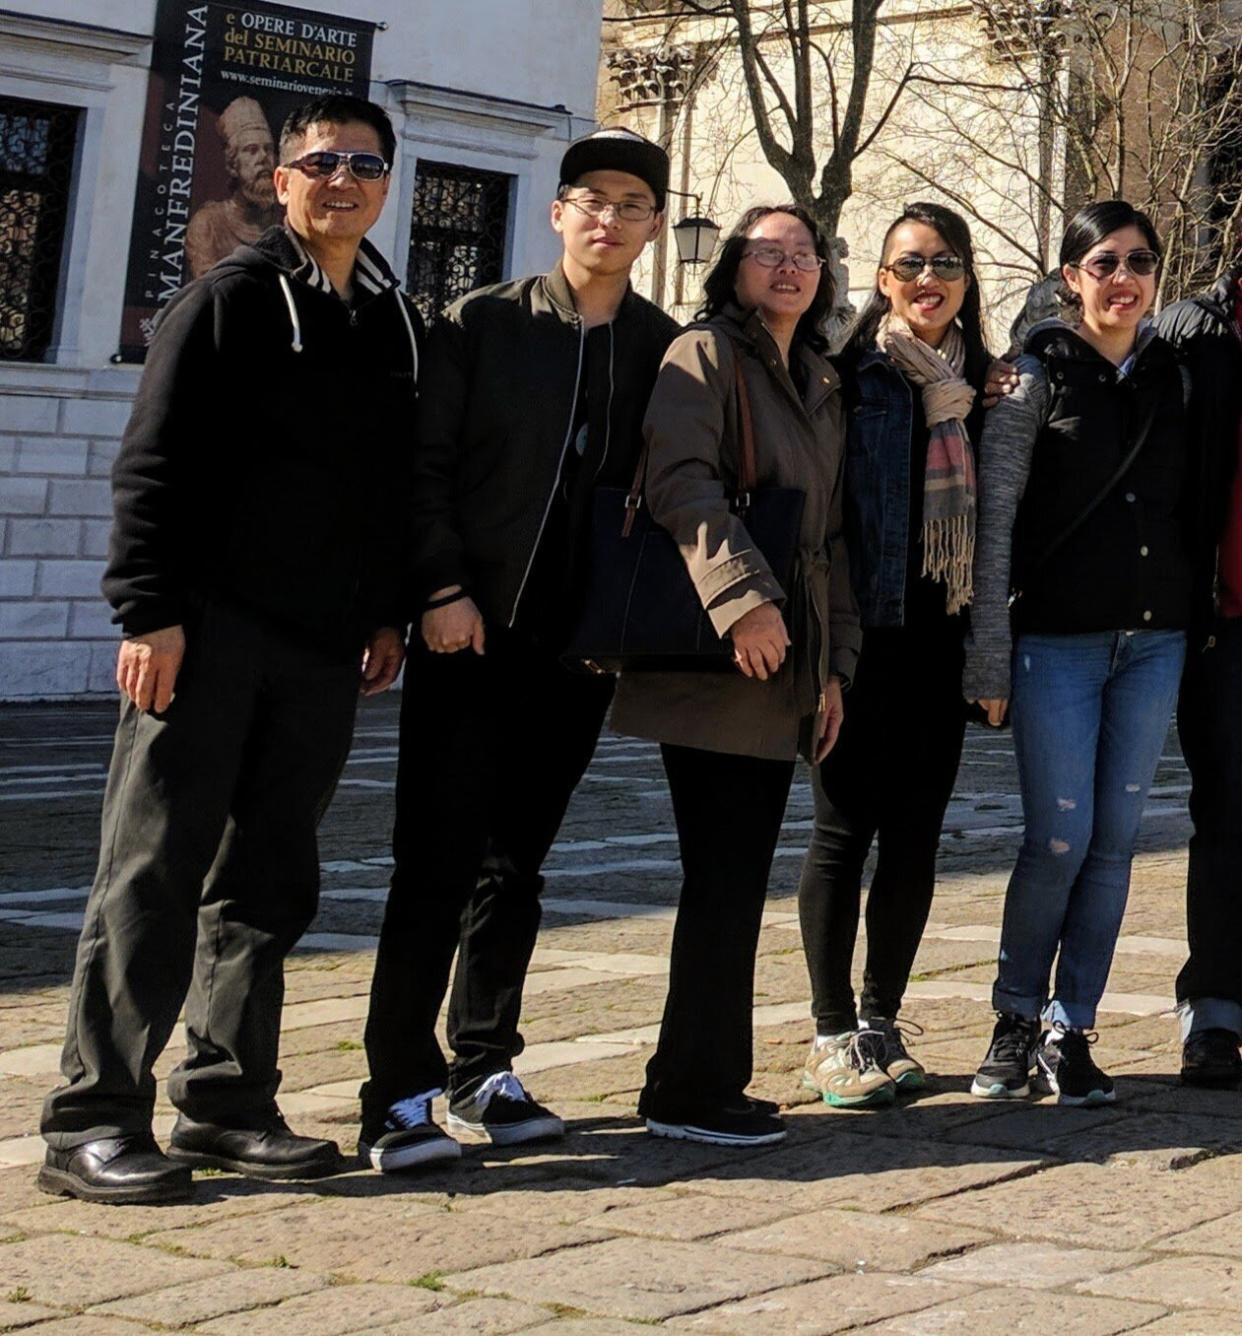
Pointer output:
x,y
504,370
1203,333
266,459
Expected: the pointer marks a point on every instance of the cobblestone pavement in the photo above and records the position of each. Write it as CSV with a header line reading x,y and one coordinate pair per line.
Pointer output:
x,y
942,1214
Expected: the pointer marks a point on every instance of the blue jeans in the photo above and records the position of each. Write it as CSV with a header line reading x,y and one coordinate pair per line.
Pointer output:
x,y
1090,716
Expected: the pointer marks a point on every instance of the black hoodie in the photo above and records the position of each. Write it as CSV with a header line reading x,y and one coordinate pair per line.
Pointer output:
x,y
267,455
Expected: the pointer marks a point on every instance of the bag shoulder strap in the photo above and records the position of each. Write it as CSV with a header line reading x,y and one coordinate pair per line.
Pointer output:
x,y
748,470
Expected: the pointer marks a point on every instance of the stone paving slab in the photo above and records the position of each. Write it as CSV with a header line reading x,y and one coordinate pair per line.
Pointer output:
x,y
1209,1282
19,1313
627,1278
1035,1266
77,1272
342,1310
1023,1313
826,1306
199,1301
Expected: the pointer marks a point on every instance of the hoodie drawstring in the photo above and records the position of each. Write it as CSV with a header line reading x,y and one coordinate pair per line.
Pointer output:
x,y
287,289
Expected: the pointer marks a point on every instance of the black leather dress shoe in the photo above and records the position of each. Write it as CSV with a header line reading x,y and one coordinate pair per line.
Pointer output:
x,y
1211,1058
269,1151
123,1171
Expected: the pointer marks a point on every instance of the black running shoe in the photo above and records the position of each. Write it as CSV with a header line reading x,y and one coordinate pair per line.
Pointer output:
x,y
1006,1071
1211,1058
502,1111
744,1124
1064,1060
407,1138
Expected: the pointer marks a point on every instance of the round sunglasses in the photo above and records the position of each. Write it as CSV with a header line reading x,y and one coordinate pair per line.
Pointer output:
x,y
906,268
1139,262
327,162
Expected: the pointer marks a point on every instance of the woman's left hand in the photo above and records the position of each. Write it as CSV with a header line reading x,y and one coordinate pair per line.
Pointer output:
x,y
829,719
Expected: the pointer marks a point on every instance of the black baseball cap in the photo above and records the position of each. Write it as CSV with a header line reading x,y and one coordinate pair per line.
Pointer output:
x,y
617,149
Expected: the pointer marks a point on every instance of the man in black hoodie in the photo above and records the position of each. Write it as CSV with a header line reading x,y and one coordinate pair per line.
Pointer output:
x,y
255,571
536,392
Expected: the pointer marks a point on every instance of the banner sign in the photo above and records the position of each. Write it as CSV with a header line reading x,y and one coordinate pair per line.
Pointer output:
x,y
223,78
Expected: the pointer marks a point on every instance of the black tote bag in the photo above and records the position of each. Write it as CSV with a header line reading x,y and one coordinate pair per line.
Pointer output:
x,y
641,610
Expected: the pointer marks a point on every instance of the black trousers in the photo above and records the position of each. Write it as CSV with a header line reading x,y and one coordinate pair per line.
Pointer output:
x,y
889,779
208,875
491,750
728,811
1209,723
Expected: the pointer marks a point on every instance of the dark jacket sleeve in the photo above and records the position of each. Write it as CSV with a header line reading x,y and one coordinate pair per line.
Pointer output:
x,y
145,577
385,598
438,556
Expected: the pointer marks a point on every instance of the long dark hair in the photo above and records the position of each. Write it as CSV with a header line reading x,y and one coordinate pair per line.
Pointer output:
x,y
720,285
1089,226
956,233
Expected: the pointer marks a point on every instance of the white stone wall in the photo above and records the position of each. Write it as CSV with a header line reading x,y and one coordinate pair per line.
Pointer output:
x,y
504,87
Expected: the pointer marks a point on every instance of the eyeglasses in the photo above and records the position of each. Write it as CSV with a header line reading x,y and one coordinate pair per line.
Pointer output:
x,y
772,257
326,163
1140,263
906,268
596,206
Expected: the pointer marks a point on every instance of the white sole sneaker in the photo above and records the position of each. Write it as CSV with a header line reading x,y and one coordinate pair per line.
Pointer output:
x,y
546,1128
393,1159
708,1137
998,1090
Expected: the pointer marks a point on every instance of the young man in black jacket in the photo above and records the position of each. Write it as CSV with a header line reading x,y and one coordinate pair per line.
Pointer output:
x,y
1208,336
536,394
254,566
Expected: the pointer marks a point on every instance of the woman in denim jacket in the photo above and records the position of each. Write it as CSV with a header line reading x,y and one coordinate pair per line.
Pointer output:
x,y
913,366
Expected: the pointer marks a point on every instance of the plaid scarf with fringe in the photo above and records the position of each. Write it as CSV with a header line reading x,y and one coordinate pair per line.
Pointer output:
x,y
949,480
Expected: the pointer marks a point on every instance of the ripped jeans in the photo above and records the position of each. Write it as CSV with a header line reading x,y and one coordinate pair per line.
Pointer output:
x,y
1090,717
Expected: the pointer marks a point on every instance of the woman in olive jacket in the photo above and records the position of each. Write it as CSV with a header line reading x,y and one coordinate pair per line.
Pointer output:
x,y
730,740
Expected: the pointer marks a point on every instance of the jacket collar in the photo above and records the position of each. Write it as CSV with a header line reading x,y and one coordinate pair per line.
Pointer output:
x,y
821,376
1073,343
561,297
285,249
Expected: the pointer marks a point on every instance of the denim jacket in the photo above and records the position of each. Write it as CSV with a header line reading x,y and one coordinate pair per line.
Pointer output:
x,y
881,411
884,411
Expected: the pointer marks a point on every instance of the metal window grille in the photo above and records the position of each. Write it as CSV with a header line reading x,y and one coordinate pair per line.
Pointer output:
x,y
37,144
457,233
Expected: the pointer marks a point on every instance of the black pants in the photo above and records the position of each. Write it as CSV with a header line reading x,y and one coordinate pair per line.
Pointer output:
x,y
888,779
728,811
491,751
208,875
1209,722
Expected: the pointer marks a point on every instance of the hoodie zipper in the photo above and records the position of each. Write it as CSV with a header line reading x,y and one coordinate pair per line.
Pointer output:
x,y
612,385
560,464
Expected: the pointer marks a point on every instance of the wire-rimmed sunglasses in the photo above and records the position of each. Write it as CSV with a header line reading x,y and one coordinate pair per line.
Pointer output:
x,y
906,268
327,162
1140,263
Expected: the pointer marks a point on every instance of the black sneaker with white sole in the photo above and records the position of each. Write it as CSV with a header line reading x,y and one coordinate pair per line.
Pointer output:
x,y
748,1123
1006,1071
407,1138
1064,1060
501,1110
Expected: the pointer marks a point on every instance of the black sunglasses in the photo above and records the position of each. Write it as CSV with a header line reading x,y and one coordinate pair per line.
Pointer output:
x,y
906,268
1138,262
326,163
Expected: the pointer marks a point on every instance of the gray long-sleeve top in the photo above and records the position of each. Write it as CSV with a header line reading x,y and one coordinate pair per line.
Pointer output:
x,y
1009,434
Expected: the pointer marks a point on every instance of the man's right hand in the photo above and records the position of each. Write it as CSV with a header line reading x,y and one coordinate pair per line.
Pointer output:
x,y
455,626
147,667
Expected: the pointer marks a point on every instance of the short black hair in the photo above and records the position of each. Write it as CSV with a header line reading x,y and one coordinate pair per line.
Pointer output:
x,y
720,285
337,109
